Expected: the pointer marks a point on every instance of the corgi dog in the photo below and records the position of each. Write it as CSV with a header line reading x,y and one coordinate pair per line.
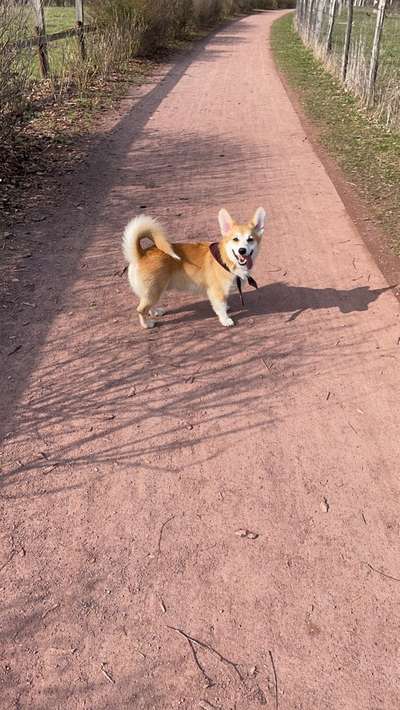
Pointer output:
x,y
199,267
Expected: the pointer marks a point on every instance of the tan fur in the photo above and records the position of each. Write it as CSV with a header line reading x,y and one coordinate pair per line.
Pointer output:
x,y
184,266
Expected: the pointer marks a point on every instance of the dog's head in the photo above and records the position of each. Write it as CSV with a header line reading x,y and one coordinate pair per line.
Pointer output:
x,y
240,242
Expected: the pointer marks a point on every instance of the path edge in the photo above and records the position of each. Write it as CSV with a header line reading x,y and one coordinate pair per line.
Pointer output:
x,y
369,230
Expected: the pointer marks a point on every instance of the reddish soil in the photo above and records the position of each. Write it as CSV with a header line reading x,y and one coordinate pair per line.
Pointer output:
x,y
131,459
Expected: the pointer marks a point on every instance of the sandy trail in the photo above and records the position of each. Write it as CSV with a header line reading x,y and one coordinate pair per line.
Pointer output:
x,y
131,458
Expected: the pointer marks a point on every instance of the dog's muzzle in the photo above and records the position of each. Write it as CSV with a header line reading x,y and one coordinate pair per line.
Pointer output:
x,y
244,259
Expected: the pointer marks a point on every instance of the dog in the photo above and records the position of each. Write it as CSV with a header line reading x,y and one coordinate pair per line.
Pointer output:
x,y
199,267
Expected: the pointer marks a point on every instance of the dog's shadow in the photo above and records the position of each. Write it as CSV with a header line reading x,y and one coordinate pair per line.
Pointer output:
x,y
281,298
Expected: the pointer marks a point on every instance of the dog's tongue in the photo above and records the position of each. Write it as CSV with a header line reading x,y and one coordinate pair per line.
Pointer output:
x,y
249,262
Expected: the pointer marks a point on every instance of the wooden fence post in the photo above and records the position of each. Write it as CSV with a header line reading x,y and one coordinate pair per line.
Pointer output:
x,y
40,28
310,23
319,18
346,49
302,16
299,13
332,15
373,69
80,27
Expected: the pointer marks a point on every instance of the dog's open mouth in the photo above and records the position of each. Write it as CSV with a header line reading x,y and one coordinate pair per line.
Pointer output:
x,y
245,260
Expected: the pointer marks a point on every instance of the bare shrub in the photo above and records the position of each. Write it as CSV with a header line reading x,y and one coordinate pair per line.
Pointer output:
x,y
15,70
209,11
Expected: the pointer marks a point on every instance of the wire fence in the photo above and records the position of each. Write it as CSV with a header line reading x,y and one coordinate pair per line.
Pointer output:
x,y
359,42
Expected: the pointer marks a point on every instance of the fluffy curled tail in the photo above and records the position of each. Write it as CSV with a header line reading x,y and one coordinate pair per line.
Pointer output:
x,y
139,228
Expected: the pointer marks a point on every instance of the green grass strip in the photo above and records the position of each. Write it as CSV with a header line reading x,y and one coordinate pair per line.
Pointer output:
x,y
367,153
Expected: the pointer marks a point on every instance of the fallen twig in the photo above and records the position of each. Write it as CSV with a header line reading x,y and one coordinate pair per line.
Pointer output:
x,y
268,365
209,648
14,350
351,427
209,680
106,674
383,574
13,552
206,705
275,679
50,468
295,315
52,608
161,532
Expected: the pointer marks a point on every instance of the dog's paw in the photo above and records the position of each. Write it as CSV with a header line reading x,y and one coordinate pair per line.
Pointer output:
x,y
227,322
158,312
147,323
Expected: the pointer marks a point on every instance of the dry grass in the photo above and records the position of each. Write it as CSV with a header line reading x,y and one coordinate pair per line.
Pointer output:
x,y
15,84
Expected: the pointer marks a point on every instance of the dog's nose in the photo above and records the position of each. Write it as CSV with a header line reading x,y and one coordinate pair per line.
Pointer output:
x,y
242,250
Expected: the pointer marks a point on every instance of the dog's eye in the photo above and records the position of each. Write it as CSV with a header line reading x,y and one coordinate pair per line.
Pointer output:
x,y
235,239
250,239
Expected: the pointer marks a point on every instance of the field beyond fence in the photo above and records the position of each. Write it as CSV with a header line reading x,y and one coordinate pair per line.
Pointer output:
x,y
359,42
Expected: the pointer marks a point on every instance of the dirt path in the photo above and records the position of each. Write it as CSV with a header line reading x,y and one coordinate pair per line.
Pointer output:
x,y
131,458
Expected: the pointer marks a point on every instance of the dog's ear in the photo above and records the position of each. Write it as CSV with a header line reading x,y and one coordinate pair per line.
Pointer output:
x,y
258,220
225,222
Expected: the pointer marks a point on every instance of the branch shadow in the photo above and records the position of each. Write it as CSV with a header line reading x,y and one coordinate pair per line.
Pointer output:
x,y
283,298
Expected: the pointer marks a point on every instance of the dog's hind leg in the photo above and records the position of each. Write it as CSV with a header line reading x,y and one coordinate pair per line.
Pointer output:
x,y
143,310
218,301
147,304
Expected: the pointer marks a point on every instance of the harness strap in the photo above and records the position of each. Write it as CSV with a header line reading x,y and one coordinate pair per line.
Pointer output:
x,y
214,249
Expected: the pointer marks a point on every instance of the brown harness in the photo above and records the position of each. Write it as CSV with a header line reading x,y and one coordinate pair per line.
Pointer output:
x,y
214,249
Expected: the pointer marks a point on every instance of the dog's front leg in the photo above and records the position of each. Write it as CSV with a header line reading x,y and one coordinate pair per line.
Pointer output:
x,y
219,304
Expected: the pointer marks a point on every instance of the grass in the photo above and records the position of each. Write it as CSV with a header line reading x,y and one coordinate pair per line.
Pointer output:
x,y
367,153
364,21
56,18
